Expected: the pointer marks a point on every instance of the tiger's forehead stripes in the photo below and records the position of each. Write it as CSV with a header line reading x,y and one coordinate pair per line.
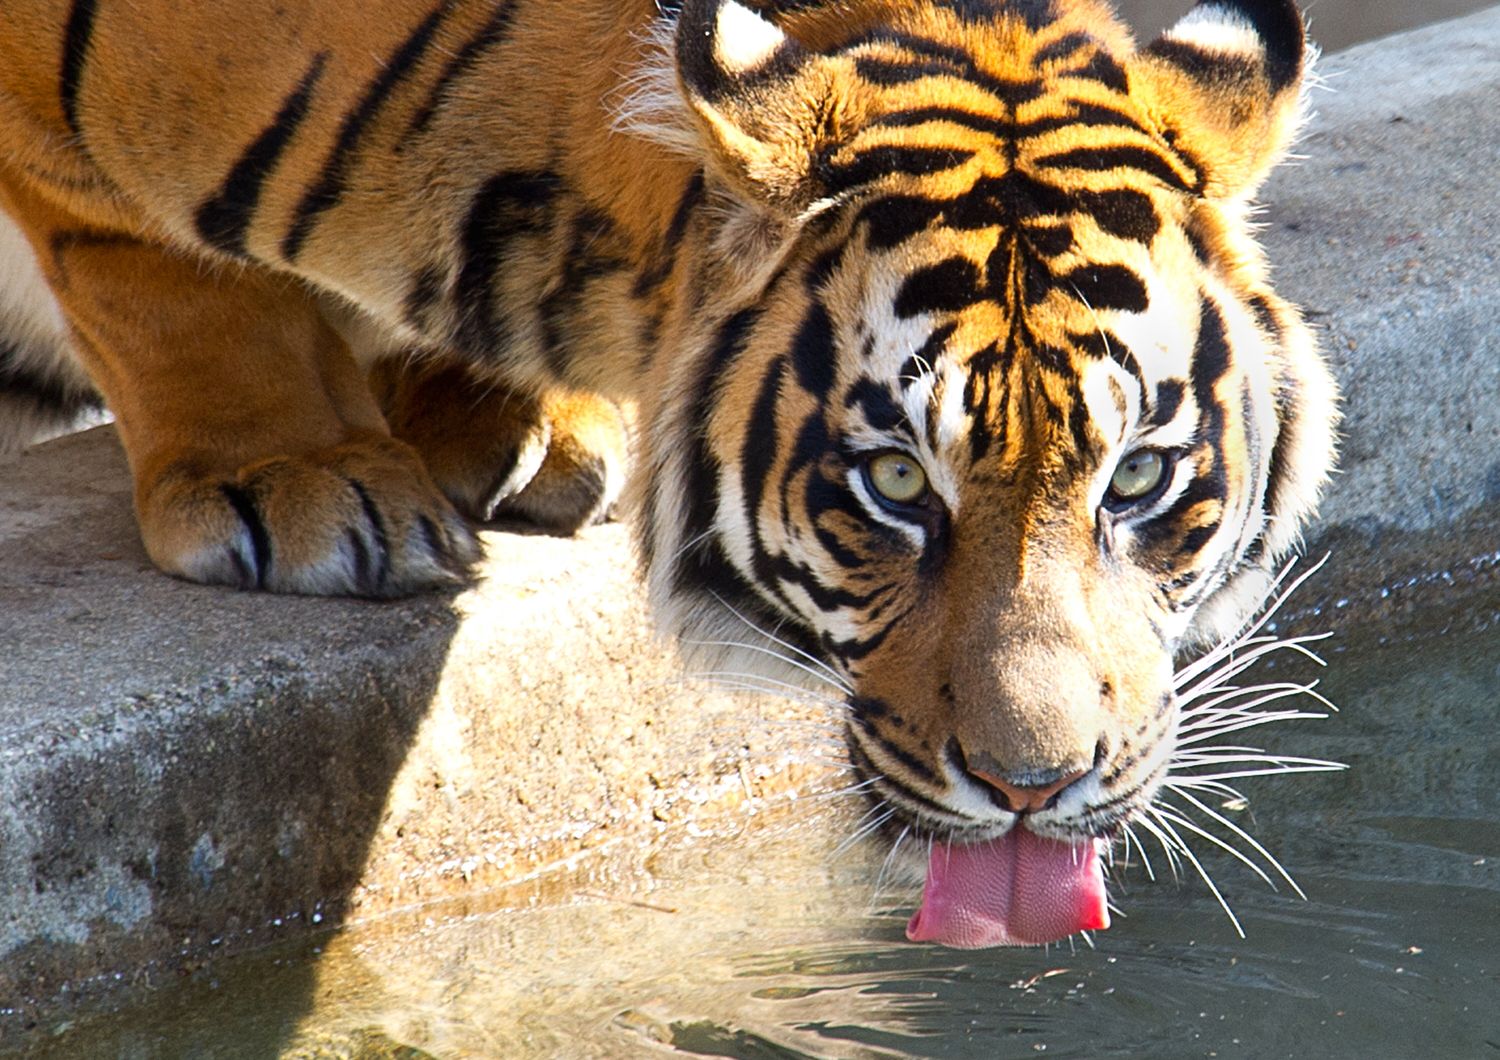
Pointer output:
x,y
1015,209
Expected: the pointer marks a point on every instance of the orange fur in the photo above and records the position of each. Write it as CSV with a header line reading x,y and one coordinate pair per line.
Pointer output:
x,y
329,262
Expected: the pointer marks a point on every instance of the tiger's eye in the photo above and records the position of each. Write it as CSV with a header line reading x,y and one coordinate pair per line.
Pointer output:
x,y
898,478
1138,474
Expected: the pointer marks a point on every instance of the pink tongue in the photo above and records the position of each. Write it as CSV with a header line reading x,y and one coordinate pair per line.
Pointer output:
x,y
1018,890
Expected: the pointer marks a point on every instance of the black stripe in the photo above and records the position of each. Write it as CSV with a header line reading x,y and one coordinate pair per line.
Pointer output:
x,y
822,497
1215,68
937,60
757,458
324,194
892,219
509,205
586,260
1194,540
984,367
1049,240
425,290
660,268
924,358
1122,212
887,73
948,286
1106,287
1062,48
1101,343
1211,355
875,162
813,352
1168,400
825,598
75,53
913,764
1082,115
1005,201
702,565
1036,14
1104,69
1099,159
47,393
222,221
371,580
260,539
856,648
968,119
490,35
867,768
877,405
1277,472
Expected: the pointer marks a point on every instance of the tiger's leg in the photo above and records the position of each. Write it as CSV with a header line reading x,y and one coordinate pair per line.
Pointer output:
x,y
259,456
557,460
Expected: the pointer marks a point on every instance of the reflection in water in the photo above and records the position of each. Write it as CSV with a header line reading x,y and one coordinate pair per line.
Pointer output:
x,y
773,944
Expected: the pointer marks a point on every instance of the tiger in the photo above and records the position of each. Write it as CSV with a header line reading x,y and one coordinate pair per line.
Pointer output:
x,y
949,367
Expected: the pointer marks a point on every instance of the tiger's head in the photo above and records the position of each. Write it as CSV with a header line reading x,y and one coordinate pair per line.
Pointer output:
x,y
982,405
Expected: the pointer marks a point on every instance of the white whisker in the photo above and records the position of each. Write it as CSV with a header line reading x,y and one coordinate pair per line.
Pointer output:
x,y
760,683
883,812
1227,705
833,675
1173,862
1235,661
885,867
1183,821
1203,873
1131,837
817,674
1255,622
1241,774
1255,844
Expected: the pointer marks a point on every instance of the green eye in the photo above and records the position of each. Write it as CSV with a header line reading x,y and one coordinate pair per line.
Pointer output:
x,y
897,478
1138,475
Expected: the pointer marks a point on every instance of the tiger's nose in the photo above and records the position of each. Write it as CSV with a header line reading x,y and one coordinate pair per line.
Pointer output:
x,y
1028,791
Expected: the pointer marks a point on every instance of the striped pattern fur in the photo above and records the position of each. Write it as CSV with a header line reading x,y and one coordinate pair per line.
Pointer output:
x,y
960,380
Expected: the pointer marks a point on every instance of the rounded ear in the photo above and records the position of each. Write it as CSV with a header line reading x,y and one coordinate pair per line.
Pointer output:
x,y
1226,84
766,106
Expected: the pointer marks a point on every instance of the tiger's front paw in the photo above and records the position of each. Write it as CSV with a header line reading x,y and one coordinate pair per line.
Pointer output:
x,y
558,460
361,519
580,473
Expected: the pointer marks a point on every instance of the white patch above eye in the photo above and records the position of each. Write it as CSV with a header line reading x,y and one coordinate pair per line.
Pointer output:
x,y
1105,384
1217,29
743,40
1161,341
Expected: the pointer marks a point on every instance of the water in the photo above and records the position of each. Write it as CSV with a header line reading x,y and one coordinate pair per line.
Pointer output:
x,y
776,944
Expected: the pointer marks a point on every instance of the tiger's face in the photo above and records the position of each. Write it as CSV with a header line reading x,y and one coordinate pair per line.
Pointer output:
x,y
1002,413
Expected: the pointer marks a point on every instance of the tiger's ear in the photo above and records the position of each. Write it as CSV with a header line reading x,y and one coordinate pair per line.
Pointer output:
x,y
1225,85
767,108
